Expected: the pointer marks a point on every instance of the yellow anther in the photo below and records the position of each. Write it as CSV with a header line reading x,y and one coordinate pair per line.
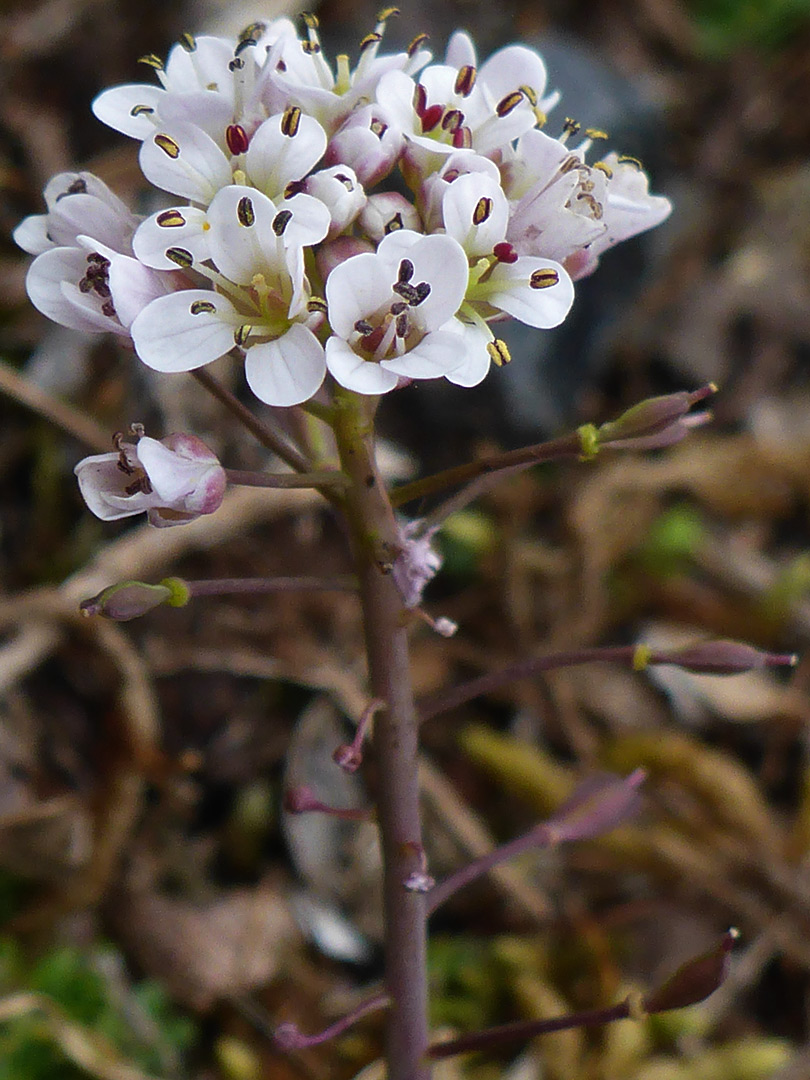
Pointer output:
x,y
499,352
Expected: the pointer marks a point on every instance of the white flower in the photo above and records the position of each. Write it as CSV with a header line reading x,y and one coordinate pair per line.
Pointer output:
x,y
212,82
391,312
260,302
454,106
174,480
538,292
535,291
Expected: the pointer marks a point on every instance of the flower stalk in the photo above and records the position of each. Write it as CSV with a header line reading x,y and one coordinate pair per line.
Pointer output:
x,y
395,743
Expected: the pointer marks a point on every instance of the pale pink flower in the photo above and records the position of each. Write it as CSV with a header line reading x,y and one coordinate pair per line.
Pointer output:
x,y
173,480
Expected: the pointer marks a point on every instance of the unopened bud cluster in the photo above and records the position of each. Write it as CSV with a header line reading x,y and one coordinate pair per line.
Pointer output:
x,y
284,238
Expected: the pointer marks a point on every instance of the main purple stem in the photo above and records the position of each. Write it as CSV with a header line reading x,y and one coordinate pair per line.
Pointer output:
x,y
375,540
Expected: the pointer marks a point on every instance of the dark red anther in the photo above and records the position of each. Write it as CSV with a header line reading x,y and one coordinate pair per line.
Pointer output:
x,y
462,138
236,138
419,100
431,117
504,252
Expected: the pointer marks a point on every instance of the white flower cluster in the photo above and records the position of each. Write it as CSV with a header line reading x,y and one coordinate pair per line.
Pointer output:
x,y
284,244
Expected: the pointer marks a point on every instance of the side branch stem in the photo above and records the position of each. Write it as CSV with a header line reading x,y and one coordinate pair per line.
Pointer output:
x,y
569,446
395,744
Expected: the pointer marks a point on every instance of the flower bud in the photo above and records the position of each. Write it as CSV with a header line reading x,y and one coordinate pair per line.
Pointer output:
x,y
598,804
717,658
388,212
659,417
369,142
337,251
693,981
341,193
127,600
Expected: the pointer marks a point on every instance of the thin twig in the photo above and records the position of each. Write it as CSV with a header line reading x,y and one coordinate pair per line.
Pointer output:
x,y
59,413
270,439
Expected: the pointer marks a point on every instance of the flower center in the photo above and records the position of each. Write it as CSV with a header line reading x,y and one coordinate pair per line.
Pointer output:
x,y
386,332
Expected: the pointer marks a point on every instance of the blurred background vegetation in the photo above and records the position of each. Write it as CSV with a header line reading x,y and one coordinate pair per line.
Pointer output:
x,y
159,913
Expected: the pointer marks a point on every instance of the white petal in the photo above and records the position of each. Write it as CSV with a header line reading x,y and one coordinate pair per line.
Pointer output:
x,y
133,286
206,66
354,373
286,371
181,158
310,221
176,479
542,308
436,354
44,281
168,336
182,227
355,289
32,234
438,260
205,109
273,159
461,200
102,485
510,68
72,183
476,361
88,215
241,238
460,50
115,107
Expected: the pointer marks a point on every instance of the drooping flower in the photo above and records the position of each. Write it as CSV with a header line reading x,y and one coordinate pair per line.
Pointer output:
x,y
564,209
173,480
392,312
78,204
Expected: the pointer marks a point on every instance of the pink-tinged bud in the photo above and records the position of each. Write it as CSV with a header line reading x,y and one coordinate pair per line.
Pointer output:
x,y
717,658
174,480
337,251
341,193
127,600
369,142
695,980
386,213
659,421
598,804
